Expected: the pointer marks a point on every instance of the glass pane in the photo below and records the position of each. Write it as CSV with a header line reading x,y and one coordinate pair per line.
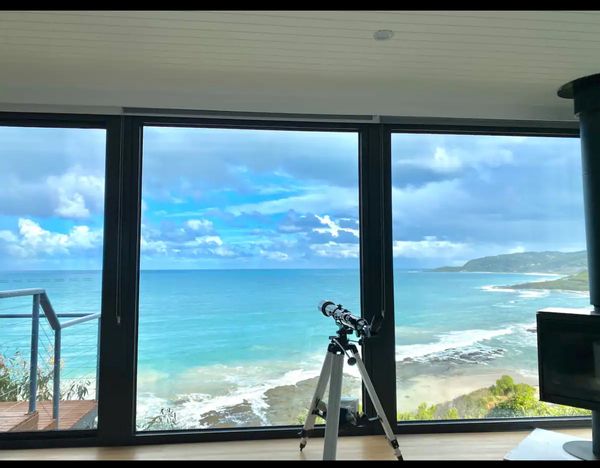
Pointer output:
x,y
487,230
51,233
244,232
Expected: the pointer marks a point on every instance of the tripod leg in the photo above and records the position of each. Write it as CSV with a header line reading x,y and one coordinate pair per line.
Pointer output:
x,y
309,424
391,437
333,407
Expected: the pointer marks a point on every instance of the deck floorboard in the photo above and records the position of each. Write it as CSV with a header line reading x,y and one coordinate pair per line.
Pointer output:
x,y
14,417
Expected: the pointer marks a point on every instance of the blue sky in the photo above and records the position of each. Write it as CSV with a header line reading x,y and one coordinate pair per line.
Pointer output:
x,y
223,198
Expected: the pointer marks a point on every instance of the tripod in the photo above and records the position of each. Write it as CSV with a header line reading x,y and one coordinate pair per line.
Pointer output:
x,y
332,372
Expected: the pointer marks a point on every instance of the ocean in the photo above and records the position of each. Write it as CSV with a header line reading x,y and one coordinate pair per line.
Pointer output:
x,y
242,347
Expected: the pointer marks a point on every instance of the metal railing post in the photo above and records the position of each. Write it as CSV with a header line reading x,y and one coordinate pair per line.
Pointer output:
x,y
33,364
40,300
56,376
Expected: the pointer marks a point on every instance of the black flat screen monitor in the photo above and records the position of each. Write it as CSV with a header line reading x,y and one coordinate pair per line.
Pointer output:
x,y
569,357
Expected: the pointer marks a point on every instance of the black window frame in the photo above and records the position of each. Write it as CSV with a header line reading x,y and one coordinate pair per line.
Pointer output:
x,y
110,266
367,251
481,127
122,224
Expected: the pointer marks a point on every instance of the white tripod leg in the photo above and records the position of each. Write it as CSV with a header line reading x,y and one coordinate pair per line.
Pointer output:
x,y
333,407
391,437
309,423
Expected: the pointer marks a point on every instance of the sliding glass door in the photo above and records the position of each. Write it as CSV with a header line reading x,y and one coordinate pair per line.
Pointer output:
x,y
51,243
244,232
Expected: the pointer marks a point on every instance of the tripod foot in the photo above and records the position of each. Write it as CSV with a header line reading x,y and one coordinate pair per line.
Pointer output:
x,y
396,447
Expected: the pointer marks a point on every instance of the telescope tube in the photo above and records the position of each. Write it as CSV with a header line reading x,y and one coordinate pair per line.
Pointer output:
x,y
345,317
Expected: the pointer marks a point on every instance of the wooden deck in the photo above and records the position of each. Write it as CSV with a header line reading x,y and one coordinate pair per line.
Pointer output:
x,y
72,414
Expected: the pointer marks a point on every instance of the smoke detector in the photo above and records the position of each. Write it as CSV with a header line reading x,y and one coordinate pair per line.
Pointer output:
x,y
383,34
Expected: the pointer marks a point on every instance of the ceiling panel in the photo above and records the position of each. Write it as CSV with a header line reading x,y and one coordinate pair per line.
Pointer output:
x,y
480,64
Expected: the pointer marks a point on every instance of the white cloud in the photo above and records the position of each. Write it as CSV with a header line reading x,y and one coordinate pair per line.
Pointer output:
x,y
77,195
83,237
222,252
71,205
32,239
444,162
336,250
333,228
518,249
275,255
273,189
420,204
156,246
452,158
8,236
314,200
428,247
199,224
204,240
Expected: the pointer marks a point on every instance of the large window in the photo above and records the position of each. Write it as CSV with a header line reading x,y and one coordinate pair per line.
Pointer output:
x,y
51,236
486,231
236,230
243,233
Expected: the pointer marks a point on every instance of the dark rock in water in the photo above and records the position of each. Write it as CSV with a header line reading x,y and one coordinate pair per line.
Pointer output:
x,y
240,415
473,355
288,404
480,355
283,405
531,330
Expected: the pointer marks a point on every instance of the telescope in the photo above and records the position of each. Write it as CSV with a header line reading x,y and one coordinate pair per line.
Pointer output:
x,y
344,318
332,373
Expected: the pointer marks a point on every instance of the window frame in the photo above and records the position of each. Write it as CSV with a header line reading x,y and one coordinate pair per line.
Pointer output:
x,y
477,127
120,287
109,123
364,138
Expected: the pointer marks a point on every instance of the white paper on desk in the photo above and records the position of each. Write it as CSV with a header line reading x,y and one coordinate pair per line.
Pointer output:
x,y
542,445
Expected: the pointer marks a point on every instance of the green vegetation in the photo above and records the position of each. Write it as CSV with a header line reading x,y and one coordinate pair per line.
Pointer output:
x,y
502,400
14,381
163,421
576,282
567,263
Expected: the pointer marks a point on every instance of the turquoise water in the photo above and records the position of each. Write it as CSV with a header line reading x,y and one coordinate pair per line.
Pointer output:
x,y
211,339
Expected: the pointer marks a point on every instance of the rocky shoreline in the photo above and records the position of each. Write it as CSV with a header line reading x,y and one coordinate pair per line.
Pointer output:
x,y
444,384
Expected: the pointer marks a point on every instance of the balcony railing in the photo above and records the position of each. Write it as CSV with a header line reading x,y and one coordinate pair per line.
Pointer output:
x,y
40,300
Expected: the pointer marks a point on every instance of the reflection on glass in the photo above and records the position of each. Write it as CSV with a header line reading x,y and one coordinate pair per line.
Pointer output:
x,y
487,230
244,232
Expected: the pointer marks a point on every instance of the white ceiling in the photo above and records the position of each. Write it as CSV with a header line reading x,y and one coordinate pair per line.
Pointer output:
x,y
475,64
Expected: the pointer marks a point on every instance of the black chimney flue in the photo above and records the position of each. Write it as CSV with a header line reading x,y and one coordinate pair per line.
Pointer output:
x,y
586,95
